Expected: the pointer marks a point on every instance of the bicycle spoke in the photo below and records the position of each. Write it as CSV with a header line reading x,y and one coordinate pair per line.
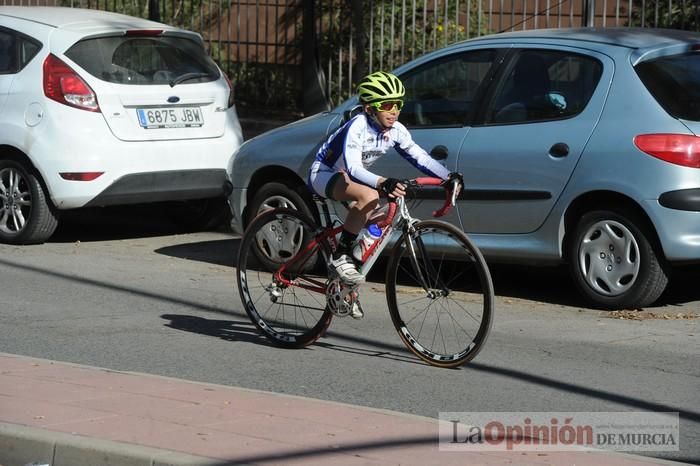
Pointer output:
x,y
296,314
447,320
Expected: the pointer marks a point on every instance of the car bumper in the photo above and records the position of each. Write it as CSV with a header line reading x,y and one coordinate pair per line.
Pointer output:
x,y
678,230
236,201
682,199
162,186
132,172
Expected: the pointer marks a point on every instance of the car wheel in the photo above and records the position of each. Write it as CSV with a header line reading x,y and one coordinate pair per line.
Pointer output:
x,y
199,214
278,195
613,262
273,196
26,215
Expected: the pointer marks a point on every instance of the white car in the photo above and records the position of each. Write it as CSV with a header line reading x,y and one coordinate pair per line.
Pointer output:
x,y
98,109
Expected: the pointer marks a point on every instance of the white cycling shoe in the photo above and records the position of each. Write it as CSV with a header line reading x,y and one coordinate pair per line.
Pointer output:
x,y
356,312
347,270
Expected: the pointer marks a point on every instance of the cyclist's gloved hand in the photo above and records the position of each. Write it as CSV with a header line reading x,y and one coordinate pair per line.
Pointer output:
x,y
452,177
393,187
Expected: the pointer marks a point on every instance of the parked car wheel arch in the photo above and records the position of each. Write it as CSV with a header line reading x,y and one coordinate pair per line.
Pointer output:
x,y
12,153
282,183
8,152
610,200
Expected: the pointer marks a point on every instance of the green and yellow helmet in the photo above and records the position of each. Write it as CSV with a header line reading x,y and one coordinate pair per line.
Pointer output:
x,y
380,86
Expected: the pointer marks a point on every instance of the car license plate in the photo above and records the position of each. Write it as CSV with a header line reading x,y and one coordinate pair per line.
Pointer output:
x,y
173,117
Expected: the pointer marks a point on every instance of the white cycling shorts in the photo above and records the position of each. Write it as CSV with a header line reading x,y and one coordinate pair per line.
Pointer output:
x,y
322,178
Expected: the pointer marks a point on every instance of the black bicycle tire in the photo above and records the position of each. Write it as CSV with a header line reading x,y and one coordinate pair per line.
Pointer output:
x,y
487,289
256,318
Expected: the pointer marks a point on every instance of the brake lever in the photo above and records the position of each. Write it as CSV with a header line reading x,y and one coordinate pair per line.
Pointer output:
x,y
453,201
450,201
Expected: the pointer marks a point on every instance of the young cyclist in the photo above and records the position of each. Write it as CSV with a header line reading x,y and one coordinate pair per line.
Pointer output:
x,y
340,170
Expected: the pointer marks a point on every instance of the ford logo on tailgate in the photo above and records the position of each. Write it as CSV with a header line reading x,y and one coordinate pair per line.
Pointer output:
x,y
173,99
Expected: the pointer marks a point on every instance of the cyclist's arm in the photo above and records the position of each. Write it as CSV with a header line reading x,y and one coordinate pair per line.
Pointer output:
x,y
417,156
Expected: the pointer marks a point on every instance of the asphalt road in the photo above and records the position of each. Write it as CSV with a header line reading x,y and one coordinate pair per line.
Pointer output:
x,y
127,290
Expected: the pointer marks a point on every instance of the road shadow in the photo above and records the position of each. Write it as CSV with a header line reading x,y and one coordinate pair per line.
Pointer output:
x,y
220,252
245,331
552,285
228,330
119,222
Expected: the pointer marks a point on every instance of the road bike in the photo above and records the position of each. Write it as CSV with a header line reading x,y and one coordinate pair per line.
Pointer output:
x,y
438,286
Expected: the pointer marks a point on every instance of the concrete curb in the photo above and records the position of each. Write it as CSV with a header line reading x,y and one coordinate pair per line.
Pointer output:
x,y
22,445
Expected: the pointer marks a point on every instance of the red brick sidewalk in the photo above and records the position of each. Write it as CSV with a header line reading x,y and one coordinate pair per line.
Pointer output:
x,y
66,414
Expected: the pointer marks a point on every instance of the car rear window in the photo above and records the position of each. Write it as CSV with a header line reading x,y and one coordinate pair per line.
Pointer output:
x,y
674,81
16,50
144,60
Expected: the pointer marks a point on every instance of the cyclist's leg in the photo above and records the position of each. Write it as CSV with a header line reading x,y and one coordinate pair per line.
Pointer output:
x,y
291,312
364,200
443,308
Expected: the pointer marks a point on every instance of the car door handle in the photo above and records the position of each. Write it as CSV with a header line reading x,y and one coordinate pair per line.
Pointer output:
x,y
439,152
559,149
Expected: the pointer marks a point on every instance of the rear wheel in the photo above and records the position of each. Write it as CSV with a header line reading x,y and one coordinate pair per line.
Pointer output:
x,y
442,303
613,262
26,214
289,316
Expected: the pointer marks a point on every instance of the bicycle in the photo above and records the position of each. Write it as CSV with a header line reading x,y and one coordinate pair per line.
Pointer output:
x,y
438,286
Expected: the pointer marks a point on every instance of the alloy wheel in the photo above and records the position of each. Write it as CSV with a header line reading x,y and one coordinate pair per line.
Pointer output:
x,y
15,201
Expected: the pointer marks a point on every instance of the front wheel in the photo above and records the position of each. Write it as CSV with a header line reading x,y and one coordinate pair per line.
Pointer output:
x,y
289,315
613,262
440,294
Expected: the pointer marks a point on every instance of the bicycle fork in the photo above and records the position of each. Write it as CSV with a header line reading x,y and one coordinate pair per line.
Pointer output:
x,y
428,267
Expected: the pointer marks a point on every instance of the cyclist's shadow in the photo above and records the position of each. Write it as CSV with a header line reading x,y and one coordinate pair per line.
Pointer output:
x,y
229,330
244,331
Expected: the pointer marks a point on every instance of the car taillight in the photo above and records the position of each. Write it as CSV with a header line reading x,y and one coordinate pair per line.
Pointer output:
x,y
63,85
680,149
231,101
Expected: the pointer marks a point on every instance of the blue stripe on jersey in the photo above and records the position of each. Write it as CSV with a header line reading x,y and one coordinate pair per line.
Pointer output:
x,y
414,162
333,149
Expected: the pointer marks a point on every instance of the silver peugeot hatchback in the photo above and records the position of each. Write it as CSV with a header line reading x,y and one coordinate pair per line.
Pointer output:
x,y
578,146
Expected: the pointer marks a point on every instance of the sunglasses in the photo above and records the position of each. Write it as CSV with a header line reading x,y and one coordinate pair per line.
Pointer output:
x,y
388,105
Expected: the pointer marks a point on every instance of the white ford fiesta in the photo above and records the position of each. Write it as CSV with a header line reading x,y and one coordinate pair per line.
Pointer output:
x,y
98,109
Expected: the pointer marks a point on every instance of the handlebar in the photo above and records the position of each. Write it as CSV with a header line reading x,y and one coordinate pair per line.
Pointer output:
x,y
450,199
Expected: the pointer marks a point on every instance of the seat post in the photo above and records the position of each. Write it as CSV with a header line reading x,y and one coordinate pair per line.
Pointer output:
x,y
322,207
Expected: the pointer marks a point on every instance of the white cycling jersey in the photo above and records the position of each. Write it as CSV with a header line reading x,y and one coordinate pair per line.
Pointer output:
x,y
357,144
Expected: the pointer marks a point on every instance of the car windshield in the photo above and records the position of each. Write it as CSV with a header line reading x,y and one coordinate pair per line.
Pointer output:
x,y
144,60
674,81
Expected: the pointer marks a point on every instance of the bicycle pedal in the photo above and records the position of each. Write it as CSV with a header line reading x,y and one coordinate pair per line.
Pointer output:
x,y
356,312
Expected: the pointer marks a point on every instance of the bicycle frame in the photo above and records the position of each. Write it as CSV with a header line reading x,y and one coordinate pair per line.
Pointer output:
x,y
398,217
439,292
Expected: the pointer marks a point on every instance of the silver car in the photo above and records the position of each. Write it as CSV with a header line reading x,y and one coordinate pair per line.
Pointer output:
x,y
577,146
